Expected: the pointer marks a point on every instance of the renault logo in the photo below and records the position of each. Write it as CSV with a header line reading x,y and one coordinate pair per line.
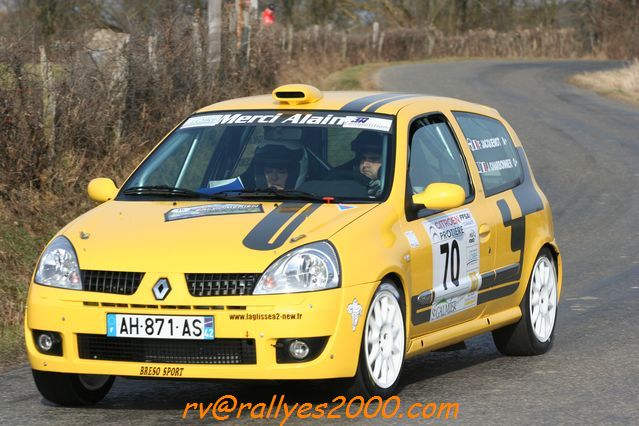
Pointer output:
x,y
161,289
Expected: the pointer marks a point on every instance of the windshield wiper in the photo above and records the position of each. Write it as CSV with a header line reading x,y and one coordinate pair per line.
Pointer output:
x,y
168,191
278,193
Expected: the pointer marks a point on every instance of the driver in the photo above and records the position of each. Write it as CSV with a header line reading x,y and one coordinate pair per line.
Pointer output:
x,y
368,159
277,166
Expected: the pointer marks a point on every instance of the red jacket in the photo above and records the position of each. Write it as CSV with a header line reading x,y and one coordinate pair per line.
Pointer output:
x,y
268,17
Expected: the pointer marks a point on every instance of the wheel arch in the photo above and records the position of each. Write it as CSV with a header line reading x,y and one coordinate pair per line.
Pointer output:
x,y
554,250
396,279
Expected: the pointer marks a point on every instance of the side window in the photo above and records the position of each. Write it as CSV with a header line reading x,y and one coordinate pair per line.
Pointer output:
x,y
493,151
435,156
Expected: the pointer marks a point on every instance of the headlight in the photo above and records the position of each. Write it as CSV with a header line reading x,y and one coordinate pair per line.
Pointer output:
x,y
58,266
308,268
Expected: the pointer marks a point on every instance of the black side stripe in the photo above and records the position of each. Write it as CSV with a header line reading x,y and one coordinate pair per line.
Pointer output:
x,y
374,107
500,276
418,317
526,194
359,104
497,293
517,231
259,237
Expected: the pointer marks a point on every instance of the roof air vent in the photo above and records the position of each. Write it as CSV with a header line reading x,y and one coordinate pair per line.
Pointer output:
x,y
294,94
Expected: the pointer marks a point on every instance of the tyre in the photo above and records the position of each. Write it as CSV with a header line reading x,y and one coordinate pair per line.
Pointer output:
x,y
534,333
72,389
383,345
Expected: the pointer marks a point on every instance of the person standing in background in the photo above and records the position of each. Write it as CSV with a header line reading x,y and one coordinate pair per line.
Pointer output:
x,y
268,15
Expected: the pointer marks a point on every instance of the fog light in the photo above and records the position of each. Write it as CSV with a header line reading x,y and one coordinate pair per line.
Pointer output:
x,y
301,349
298,349
45,342
48,342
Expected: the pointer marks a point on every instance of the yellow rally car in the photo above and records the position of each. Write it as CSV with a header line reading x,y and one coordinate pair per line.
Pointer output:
x,y
303,235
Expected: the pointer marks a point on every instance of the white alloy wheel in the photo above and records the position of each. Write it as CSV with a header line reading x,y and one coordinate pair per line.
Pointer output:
x,y
543,299
384,339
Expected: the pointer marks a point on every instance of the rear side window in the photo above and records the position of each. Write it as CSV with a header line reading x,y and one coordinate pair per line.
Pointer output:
x,y
493,151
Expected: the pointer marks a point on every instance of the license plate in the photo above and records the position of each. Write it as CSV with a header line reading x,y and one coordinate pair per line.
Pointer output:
x,y
161,326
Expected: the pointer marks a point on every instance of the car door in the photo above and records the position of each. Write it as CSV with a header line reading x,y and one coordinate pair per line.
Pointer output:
x,y
449,250
502,170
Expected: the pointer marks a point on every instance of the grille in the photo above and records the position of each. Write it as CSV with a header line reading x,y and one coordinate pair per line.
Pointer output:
x,y
111,281
171,351
221,284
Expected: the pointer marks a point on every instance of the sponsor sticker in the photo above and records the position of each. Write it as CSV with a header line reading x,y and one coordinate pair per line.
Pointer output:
x,y
291,119
354,309
211,210
344,207
412,239
446,307
455,251
369,123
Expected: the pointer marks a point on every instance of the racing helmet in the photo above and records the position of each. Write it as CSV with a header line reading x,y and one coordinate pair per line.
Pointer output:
x,y
367,141
287,155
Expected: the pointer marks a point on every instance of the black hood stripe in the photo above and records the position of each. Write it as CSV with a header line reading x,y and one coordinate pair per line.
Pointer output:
x,y
259,238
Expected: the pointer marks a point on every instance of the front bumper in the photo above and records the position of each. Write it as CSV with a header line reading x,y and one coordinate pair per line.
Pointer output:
x,y
313,314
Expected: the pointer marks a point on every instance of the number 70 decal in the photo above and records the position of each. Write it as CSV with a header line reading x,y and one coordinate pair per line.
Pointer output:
x,y
455,251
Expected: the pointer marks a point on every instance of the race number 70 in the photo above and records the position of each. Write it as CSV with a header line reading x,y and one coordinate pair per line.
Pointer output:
x,y
451,251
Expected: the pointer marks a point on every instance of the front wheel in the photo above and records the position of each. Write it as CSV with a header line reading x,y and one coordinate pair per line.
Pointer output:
x,y
533,334
72,389
383,345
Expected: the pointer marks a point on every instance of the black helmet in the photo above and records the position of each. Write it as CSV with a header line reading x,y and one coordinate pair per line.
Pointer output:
x,y
367,141
280,156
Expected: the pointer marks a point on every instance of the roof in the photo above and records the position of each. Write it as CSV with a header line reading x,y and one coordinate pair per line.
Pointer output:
x,y
378,102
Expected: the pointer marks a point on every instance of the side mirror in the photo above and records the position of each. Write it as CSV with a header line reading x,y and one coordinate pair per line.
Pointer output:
x,y
102,189
441,196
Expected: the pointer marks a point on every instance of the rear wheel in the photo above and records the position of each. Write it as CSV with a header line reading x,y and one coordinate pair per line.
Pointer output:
x,y
72,389
383,345
533,334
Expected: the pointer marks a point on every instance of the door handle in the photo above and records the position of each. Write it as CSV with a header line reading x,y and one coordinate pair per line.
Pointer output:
x,y
484,231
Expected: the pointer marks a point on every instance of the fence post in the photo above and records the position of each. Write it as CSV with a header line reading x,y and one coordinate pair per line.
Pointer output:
x,y
344,46
197,40
152,43
375,35
215,34
249,21
290,41
48,105
380,45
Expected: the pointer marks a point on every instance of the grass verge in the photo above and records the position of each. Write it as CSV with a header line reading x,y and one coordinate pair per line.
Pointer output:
x,y
621,83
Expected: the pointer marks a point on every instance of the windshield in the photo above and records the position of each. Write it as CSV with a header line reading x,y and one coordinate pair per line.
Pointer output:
x,y
270,154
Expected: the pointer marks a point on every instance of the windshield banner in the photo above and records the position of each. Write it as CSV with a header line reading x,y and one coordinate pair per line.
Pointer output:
x,y
291,119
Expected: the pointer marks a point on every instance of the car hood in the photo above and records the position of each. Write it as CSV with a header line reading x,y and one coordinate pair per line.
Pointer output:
x,y
197,237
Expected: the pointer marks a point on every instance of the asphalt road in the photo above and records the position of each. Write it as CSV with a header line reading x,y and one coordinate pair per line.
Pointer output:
x,y
584,151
